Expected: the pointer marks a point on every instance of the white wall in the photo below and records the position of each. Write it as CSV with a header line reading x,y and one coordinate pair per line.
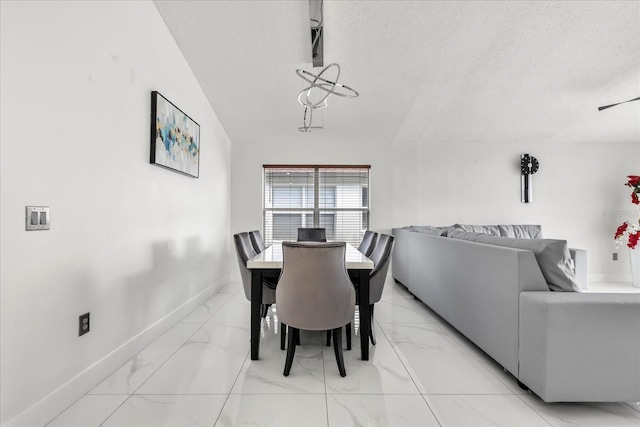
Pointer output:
x,y
578,194
130,242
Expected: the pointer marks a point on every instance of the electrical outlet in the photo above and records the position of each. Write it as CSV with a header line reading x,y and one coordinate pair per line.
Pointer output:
x,y
615,256
83,324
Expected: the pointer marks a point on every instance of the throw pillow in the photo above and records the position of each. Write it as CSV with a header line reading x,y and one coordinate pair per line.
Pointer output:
x,y
552,255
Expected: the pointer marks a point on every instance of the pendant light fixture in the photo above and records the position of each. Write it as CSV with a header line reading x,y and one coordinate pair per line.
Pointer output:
x,y
319,83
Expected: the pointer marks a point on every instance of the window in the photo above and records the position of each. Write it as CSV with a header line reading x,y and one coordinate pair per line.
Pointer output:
x,y
333,197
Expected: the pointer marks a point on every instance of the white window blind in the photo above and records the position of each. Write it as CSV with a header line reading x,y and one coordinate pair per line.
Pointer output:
x,y
333,197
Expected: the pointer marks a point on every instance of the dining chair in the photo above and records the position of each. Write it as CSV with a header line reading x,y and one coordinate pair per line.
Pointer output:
x,y
312,235
314,293
257,241
380,256
368,242
245,251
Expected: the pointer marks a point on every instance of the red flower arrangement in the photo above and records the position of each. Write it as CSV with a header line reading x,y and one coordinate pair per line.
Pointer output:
x,y
629,232
634,182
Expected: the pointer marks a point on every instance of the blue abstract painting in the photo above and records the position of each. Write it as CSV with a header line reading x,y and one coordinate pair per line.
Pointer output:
x,y
175,137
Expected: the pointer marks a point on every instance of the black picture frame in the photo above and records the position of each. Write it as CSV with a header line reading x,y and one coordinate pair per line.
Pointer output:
x,y
175,138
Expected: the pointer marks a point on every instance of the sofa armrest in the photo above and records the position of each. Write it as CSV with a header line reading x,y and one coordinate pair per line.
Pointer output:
x,y
580,346
580,259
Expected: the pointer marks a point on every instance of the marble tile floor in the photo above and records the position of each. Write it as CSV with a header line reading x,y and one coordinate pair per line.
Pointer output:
x,y
420,373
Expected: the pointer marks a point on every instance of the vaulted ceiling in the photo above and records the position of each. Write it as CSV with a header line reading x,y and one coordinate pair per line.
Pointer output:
x,y
425,70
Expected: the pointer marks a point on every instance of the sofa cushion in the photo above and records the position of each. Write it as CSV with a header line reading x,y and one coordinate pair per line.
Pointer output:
x,y
492,230
519,231
552,255
434,231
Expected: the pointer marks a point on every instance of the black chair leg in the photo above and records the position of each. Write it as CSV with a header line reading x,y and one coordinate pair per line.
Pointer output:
x,y
264,310
347,330
291,350
372,328
283,335
337,347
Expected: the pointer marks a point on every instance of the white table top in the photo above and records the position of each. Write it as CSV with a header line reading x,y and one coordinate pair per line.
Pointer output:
x,y
272,258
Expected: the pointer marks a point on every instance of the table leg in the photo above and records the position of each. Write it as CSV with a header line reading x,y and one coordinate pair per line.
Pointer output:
x,y
256,302
365,313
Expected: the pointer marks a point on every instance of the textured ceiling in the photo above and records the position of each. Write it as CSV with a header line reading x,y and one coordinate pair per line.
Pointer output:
x,y
425,70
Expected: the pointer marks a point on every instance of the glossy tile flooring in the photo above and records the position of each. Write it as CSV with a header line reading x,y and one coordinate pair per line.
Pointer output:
x,y
420,373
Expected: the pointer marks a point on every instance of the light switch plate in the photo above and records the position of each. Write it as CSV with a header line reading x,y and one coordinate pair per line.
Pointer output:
x,y
37,218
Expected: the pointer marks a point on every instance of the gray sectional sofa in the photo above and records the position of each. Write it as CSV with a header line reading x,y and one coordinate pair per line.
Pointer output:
x,y
565,345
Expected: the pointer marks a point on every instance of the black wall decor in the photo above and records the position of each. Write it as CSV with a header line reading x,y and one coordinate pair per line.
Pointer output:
x,y
528,166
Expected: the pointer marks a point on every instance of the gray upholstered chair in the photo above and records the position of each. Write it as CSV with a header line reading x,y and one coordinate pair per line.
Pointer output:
x,y
368,242
314,293
257,241
380,256
312,235
245,251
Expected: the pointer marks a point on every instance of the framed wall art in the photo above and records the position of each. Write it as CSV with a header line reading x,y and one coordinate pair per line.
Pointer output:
x,y
175,137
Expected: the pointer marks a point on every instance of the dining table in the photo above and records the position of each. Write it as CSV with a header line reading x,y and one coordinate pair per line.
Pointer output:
x,y
268,264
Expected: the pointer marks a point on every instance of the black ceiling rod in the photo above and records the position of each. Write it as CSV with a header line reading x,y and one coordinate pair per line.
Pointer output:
x,y
613,105
317,40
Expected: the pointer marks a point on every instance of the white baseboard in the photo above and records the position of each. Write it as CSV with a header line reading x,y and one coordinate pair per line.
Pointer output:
x,y
599,277
64,396
633,405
